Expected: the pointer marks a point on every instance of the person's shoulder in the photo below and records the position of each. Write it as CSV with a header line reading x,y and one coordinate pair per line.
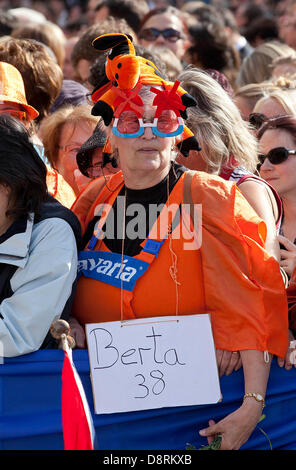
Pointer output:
x,y
51,234
89,195
221,201
53,209
205,186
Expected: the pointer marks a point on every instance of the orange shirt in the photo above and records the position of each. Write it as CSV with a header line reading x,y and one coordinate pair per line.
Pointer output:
x,y
163,297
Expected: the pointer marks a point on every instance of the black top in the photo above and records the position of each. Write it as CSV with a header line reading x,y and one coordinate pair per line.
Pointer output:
x,y
142,209
18,226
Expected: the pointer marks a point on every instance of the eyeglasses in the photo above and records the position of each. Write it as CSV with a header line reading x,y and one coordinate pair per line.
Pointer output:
x,y
128,125
151,34
93,171
16,113
257,119
276,156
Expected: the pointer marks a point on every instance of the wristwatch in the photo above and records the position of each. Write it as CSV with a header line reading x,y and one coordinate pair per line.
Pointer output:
x,y
257,397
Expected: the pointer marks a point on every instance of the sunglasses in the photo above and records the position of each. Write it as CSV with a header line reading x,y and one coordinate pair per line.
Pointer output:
x,y
257,119
128,125
151,34
276,156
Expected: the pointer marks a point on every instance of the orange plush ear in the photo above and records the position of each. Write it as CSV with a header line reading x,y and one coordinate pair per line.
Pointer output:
x,y
120,43
122,66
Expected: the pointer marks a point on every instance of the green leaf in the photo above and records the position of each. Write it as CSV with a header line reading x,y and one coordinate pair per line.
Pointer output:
x,y
262,417
214,445
190,447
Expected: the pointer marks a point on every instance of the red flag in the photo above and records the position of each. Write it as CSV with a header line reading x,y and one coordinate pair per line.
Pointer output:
x,y
78,429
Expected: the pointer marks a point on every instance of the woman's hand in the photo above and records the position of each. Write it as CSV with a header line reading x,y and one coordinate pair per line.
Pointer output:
x,y
235,428
288,256
228,361
77,332
290,358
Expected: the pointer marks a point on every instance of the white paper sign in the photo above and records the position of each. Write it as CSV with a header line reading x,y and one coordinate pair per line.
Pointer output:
x,y
153,363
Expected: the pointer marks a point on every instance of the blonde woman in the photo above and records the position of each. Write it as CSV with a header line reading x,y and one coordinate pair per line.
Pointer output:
x,y
62,134
279,100
229,148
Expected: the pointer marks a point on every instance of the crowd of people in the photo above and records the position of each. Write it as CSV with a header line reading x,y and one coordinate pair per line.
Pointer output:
x,y
153,103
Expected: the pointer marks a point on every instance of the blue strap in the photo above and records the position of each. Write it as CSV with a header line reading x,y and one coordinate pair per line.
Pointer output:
x,y
111,268
152,246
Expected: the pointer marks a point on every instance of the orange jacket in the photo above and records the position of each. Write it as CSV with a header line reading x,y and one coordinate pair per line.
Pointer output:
x,y
231,276
59,188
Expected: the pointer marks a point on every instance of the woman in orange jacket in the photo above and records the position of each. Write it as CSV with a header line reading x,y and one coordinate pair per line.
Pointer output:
x,y
156,265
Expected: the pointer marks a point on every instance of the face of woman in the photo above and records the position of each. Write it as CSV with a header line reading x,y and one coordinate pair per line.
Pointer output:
x,y
146,157
71,139
162,22
283,175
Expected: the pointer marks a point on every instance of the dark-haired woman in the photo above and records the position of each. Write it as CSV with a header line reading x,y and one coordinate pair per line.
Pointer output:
x,y
38,246
165,26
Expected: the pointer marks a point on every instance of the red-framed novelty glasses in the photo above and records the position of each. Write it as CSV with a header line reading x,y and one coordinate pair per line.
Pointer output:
x,y
129,125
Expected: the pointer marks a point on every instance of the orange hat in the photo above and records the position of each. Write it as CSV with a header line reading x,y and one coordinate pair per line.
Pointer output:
x,y
12,88
125,73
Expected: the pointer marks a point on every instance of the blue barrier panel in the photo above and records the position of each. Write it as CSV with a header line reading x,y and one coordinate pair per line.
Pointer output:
x,y
30,410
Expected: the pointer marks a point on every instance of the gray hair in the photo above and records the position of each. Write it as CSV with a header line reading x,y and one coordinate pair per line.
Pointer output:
x,y
217,123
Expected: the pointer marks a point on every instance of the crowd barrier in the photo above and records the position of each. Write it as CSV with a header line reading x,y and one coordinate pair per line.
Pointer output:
x,y
30,410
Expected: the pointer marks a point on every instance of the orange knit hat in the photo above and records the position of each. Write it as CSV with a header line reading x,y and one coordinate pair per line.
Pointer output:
x,y
12,88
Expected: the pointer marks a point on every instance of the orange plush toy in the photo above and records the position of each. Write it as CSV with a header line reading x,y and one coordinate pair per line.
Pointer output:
x,y
126,73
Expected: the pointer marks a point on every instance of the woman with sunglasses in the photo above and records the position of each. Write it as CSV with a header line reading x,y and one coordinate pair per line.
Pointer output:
x,y
135,262
277,165
277,100
167,27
